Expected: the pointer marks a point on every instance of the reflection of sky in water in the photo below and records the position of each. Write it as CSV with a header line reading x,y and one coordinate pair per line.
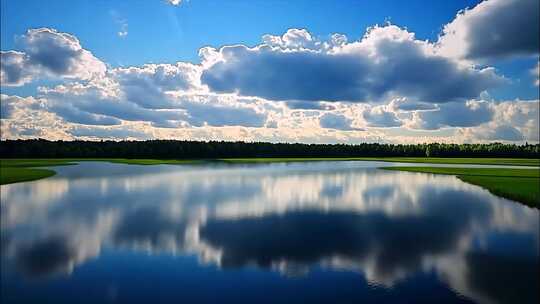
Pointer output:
x,y
298,225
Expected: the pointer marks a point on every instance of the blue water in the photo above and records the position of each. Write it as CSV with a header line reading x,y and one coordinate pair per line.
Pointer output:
x,y
324,232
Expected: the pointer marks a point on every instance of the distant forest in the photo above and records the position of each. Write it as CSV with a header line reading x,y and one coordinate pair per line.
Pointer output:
x,y
174,149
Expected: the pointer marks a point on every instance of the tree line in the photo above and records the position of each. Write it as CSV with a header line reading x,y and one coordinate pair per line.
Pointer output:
x,y
175,149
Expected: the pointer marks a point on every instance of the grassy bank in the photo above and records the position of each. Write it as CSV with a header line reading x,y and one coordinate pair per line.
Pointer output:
x,y
433,160
24,170
16,175
149,162
522,185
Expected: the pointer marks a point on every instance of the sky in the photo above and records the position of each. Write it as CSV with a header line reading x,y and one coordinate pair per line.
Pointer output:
x,y
279,71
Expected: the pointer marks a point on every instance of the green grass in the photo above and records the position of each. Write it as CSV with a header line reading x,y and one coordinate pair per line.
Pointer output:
x,y
500,172
286,159
434,160
24,170
73,161
152,161
522,185
9,175
468,161
25,163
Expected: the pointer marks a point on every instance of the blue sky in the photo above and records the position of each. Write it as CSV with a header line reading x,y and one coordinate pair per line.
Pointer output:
x,y
157,32
165,33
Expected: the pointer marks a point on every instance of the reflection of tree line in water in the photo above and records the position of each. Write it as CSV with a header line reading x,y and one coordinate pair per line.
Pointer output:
x,y
221,149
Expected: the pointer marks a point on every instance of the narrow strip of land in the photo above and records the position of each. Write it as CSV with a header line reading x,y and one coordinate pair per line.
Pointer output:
x,y
522,185
10,175
24,170
432,160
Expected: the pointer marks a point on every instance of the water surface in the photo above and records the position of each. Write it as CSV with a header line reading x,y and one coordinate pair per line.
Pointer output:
x,y
334,232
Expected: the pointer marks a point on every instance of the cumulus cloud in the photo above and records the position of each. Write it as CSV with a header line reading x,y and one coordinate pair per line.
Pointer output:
x,y
514,121
292,39
7,105
337,121
387,61
71,113
28,118
402,104
306,104
147,85
174,2
14,69
493,29
454,114
504,132
219,111
522,115
87,106
105,132
10,105
293,87
381,116
47,52
164,95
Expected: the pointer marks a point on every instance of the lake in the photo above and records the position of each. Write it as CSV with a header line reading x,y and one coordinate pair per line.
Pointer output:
x,y
325,232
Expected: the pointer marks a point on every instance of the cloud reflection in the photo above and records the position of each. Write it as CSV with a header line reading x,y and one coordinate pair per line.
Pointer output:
x,y
387,226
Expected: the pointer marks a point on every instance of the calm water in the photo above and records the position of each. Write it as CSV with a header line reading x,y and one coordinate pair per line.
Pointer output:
x,y
335,232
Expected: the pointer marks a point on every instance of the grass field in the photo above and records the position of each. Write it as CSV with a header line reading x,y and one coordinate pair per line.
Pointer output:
x,y
152,161
433,160
9,175
522,185
24,170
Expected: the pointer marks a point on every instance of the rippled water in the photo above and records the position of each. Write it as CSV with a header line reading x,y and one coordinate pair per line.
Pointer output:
x,y
335,232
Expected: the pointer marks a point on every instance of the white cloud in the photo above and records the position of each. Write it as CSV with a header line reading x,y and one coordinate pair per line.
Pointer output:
x,y
522,115
164,95
381,116
387,62
174,2
337,121
454,114
512,121
14,68
292,39
28,118
99,132
47,52
493,29
503,132
311,91
87,104
148,85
